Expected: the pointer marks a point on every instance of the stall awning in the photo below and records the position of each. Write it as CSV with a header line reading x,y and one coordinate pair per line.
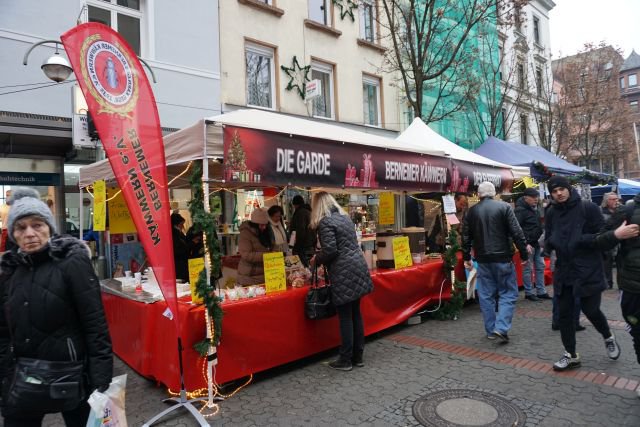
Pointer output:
x,y
525,155
179,147
295,126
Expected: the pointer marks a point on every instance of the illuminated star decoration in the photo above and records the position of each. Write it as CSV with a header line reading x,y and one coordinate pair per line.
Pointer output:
x,y
346,8
298,76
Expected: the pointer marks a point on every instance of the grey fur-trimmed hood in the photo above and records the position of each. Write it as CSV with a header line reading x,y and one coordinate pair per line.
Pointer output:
x,y
59,248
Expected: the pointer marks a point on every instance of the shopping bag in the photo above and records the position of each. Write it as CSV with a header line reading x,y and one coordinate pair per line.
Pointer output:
x,y
107,409
318,303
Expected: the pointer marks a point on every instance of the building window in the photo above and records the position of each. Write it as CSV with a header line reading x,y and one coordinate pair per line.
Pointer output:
x,y
634,106
368,20
323,104
621,82
523,129
123,16
319,11
536,30
633,80
521,76
542,132
260,75
539,81
371,100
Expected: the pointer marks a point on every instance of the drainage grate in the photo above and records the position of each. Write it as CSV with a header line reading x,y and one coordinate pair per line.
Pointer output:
x,y
463,407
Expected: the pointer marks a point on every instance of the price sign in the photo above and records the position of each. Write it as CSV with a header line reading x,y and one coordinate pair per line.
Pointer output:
x,y
402,252
119,217
386,210
99,205
196,265
275,278
449,204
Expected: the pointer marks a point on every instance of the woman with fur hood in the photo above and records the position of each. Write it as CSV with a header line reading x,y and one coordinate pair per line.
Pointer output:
x,y
52,310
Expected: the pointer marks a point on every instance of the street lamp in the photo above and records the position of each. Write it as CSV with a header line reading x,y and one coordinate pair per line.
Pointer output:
x,y
56,67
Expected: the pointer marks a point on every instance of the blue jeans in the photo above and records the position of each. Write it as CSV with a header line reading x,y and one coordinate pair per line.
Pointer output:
x,y
526,274
497,279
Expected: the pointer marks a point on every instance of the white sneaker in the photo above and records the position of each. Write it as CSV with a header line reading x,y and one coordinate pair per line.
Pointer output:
x,y
613,349
567,362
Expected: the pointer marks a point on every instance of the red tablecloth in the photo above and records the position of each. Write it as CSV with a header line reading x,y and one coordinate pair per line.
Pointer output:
x,y
262,332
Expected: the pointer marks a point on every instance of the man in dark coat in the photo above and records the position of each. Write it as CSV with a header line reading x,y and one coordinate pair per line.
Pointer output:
x,y
622,228
304,235
527,214
491,227
571,227
180,247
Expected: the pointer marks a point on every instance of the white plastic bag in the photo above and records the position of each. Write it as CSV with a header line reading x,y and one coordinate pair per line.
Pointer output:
x,y
107,409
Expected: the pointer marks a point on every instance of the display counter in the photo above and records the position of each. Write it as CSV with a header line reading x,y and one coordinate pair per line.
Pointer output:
x,y
262,332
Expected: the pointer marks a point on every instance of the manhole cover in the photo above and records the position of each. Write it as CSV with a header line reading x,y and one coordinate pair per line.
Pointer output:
x,y
448,408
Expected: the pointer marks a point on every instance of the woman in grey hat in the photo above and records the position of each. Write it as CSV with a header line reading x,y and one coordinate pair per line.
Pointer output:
x,y
52,309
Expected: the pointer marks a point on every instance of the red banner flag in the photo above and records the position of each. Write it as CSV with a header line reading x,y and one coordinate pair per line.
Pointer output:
x,y
124,110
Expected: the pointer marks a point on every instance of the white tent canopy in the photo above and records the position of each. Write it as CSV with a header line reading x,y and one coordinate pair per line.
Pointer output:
x,y
421,136
182,146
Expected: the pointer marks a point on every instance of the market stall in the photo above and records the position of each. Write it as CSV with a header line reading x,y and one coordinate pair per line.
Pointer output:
x,y
278,151
626,189
262,332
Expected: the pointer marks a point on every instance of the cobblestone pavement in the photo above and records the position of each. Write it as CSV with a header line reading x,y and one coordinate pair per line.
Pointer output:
x,y
406,363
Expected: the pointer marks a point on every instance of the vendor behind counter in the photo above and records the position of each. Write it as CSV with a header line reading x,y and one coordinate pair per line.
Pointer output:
x,y
253,242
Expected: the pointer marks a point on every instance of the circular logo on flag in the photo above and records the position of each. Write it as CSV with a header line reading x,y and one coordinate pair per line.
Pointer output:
x,y
108,72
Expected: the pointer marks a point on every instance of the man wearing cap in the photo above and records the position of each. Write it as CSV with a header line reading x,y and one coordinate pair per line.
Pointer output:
x,y
571,227
491,227
527,214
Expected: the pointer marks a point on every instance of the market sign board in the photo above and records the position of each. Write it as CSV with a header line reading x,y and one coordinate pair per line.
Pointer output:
x,y
268,158
402,252
386,210
275,278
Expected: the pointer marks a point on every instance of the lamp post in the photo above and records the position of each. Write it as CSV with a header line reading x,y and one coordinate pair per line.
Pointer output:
x,y
56,67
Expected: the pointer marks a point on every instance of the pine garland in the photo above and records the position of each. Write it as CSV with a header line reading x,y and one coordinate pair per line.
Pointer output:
x,y
204,222
452,309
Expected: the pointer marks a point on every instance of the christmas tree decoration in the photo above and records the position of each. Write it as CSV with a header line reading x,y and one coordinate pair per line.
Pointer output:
x,y
298,76
346,8
203,222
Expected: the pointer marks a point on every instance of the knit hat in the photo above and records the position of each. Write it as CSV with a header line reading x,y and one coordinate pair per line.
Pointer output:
x,y
260,216
531,192
26,202
558,181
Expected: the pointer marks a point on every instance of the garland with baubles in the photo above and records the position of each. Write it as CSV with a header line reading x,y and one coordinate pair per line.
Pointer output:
x,y
203,222
451,310
585,176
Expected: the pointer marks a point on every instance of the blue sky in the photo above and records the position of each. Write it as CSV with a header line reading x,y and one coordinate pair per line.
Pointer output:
x,y
574,22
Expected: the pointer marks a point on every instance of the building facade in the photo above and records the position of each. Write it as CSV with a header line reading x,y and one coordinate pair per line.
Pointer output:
x,y
630,90
270,49
525,74
596,130
38,145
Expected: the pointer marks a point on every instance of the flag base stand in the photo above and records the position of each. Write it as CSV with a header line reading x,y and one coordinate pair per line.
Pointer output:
x,y
181,401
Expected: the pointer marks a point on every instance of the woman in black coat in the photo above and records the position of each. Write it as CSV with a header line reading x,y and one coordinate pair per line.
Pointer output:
x,y
52,303
348,274
180,247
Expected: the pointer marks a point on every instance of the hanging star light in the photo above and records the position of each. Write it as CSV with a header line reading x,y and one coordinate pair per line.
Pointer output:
x,y
346,8
298,76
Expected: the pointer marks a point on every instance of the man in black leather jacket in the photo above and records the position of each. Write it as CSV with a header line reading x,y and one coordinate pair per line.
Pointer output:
x,y
491,228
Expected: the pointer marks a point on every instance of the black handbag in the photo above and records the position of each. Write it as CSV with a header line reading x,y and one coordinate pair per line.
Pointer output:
x,y
45,386
318,303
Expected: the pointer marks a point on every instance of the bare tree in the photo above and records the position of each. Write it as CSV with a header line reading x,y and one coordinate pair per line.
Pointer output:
x,y
430,50
549,112
495,112
594,117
